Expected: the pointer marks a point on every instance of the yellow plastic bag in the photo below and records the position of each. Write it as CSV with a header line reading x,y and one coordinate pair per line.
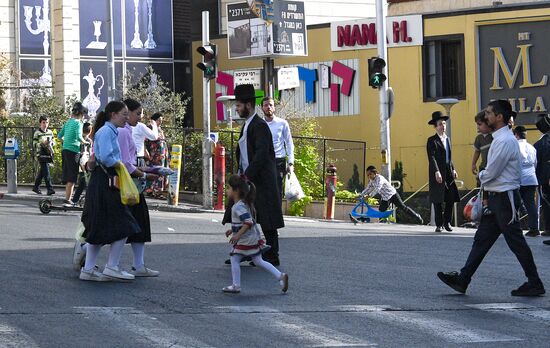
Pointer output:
x,y
129,194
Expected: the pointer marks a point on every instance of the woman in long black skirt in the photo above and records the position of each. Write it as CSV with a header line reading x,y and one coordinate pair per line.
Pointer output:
x,y
106,220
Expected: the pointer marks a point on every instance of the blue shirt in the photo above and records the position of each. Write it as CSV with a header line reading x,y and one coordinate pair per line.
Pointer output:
x,y
106,148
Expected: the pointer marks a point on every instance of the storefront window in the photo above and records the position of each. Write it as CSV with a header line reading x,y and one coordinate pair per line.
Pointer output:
x,y
444,68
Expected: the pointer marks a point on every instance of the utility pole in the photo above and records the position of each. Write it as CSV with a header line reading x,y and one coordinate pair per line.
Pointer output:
x,y
381,9
111,88
268,77
206,145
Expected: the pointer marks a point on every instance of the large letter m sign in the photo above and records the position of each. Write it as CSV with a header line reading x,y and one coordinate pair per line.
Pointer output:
x,y
523,61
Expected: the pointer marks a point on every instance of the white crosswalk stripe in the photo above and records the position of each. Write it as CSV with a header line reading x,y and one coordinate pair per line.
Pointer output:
x,y
519,310
143,326
444,329
304,332
11,337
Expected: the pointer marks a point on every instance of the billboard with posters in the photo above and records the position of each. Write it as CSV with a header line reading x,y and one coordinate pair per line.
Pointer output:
x,y
277,29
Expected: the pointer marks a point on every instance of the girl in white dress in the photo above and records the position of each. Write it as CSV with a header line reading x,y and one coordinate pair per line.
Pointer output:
x,y
245,237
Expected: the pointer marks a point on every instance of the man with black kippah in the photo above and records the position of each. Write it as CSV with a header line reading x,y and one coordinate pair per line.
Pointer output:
x,y
501,180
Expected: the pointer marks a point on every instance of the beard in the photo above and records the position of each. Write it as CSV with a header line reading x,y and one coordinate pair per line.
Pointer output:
x,y
244,113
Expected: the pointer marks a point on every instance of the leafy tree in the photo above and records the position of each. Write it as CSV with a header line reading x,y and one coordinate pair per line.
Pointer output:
x,y
354,183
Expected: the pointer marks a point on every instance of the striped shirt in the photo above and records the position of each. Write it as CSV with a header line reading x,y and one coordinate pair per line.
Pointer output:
x,y
379,185
39,140
71,135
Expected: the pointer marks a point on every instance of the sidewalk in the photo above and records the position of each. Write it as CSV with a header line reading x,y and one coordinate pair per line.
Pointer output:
x,y
24,193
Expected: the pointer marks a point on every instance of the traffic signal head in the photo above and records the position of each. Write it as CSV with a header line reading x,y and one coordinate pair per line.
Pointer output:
x,y
208,64
376,72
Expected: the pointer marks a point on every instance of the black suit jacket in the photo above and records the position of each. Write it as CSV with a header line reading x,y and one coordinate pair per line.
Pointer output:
x,y
262,172
438,162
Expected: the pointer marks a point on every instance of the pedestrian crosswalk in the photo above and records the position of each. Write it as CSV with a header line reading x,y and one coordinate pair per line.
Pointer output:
x,y
362,325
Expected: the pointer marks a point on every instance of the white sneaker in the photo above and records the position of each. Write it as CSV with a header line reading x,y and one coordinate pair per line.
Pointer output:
x,y
79,255
232,289
144,272
117,273
68,205
94,275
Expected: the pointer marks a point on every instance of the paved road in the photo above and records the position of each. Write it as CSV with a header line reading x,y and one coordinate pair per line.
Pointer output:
x,y
370,285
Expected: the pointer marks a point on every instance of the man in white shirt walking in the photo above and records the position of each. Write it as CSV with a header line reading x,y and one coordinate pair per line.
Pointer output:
x,y
529,182
388,194
282,141
501,180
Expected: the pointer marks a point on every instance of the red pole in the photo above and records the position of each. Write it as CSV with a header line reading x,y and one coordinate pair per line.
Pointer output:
x,y
330,181
219,176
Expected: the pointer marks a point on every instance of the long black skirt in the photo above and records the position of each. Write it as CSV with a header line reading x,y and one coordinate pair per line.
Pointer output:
x,y
105,218
141,213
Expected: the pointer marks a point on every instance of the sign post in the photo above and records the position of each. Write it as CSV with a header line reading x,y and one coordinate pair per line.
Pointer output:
x,y
174,179
381,8
206,147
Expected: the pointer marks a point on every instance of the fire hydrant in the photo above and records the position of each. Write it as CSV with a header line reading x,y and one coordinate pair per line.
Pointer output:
x,y
219,176
330,181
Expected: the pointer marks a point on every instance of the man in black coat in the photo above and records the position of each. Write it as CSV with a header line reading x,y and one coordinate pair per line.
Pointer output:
x,y
442,173
256,160
543,170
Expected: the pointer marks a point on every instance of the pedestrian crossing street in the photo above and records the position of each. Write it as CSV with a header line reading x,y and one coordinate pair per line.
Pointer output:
x,y
295,326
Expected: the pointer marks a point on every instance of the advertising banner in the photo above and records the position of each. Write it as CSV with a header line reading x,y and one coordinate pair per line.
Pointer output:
x,y
282,34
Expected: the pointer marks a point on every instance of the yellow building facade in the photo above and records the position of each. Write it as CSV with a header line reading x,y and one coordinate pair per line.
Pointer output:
x,y
511,69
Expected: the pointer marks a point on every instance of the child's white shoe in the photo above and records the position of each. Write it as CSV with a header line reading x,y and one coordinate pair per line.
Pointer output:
x,y
233,289
284,282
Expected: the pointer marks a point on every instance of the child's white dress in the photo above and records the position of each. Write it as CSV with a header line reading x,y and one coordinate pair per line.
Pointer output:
x,y
250,242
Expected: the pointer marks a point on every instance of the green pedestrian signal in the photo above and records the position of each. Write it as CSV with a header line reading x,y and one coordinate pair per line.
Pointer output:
x,y
376,72
208,64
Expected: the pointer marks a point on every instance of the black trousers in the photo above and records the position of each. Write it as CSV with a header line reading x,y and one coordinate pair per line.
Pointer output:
x,y
80,188
398,202
491,227
443,215
272,239
545,202
43,174
280,163
528,198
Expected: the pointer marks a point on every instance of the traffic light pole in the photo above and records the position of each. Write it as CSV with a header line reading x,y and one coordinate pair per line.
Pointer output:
x,y
381,9
111,88
206,146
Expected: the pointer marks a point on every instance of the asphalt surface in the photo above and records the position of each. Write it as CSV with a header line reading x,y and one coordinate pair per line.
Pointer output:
x,y
365,285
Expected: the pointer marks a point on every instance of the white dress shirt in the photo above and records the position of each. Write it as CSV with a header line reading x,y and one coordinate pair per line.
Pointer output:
x,y
243,147
379,185
140,132
282,139
503,172
528,163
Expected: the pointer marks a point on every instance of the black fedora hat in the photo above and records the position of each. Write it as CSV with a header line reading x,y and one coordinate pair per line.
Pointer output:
x,y
436,116
543,123
245,92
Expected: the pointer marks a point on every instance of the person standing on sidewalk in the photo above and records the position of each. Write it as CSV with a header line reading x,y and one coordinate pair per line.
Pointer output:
x,y
282,141
442,173
72,138
43,145
388,194
529,181
140,211
482,143
140,131
501,179
543,170
256,160
106,220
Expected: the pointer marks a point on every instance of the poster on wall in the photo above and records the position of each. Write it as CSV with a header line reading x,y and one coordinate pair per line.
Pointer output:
x,y
34,27
32,72
93,84
148,28
164,70
93,27
503,49
250,36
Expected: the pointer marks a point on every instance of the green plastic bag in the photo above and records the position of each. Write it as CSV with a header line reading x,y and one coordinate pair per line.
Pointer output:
x,y
129,194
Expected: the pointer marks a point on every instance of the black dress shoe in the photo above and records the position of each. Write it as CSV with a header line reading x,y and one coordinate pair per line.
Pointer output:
x,y
453,280
51,192
448,227
529,289
438,229
36,190
547,242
